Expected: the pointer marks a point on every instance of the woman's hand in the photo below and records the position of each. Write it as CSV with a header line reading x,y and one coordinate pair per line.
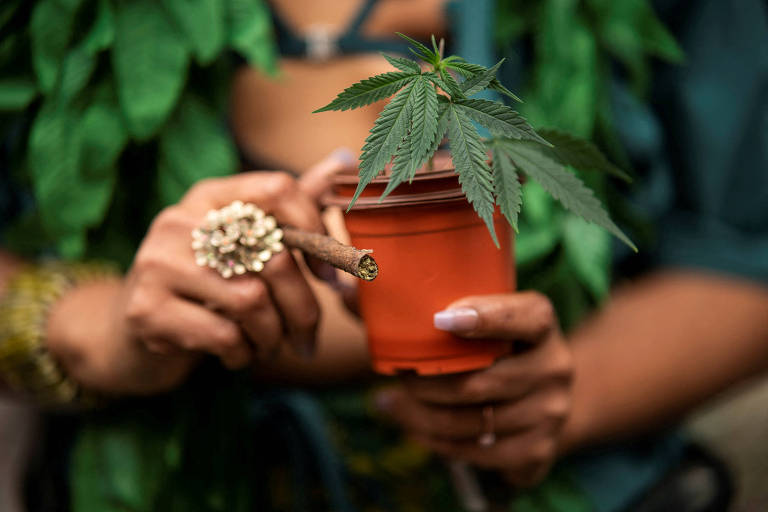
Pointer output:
x,y
171,303
529,392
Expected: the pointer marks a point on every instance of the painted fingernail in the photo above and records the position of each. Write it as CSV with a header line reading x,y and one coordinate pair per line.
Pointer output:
x,y
344,156
458,319
384,401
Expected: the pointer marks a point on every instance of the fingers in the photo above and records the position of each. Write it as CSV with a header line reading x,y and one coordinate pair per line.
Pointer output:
x,y
275,192
524,460
191,327
295,300
510,378
527,316
467,423
318,178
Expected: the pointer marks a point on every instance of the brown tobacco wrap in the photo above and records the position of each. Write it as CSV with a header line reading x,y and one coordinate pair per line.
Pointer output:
x,y
357,262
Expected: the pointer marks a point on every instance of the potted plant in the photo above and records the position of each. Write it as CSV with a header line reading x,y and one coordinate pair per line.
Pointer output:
x,y
429,236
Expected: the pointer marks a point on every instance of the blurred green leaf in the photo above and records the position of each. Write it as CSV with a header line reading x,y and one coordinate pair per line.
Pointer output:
x,y
535,242
76,70
588,250
564,90
194,145
16,93
103,134
580,153
69,202
250,32
150,60
538,205
202,23
50,30
102,32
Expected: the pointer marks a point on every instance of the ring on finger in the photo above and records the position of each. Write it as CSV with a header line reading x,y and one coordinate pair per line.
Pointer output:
x,y
488,436
236,239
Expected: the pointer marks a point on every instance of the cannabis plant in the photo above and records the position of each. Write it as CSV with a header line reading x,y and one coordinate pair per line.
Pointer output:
x,y
430,103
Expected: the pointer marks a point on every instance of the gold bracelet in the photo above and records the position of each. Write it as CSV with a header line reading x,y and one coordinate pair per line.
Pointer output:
x,y
26,365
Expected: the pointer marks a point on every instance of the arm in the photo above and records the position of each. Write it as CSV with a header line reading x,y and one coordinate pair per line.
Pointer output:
x,y
660,347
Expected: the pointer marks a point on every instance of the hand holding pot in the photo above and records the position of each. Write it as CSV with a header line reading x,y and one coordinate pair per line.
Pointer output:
x,y
508,417
171,303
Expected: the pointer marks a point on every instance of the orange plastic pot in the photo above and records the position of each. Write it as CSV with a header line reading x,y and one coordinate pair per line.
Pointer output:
x,y
432,249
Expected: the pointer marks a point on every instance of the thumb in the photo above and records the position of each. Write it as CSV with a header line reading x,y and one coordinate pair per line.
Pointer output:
x,y
317,179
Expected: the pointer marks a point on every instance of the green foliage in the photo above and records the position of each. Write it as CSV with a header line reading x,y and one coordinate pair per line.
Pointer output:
x,y
409,127
580,153
103,83
150,62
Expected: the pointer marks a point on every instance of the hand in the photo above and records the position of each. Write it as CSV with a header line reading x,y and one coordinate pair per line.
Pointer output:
x,y
530,392
170,303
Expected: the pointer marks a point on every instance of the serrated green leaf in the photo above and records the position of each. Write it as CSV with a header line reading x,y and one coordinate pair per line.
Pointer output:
x,y
581,154
564,186
500,119
421,143
468,71
507,187
16,93
193,146
420,50
480,81
469,158
370,91
250,32
385,138
588,250
403,64
50,30
533,243
202,23
453,86
150,60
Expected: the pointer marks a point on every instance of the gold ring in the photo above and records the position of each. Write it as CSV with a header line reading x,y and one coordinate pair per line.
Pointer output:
x,y
488,436
236,239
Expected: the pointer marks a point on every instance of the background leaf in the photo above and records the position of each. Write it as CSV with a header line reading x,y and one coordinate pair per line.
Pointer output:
x,y
587,248
150,61
16,93
250,32
50,30
202,23
194,145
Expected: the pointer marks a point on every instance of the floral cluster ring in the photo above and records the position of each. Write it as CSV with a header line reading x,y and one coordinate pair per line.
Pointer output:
x,y
236,239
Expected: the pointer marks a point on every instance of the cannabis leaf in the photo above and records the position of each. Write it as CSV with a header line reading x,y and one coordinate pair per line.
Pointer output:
x,y
469,158
506,185
406,65
468,71
421,143
476,83
387,133
370,91
581,154
499,119
562,184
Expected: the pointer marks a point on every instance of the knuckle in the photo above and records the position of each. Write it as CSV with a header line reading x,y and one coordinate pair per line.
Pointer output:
x,y
200,188
280,184
249,294
476,389
226,336
138,309
171,217
542,452
558,407
544,314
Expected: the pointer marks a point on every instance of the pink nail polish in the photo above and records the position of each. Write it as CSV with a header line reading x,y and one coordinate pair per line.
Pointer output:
x,y
458,319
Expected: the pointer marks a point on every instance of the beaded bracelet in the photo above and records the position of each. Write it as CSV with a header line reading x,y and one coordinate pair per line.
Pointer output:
x,y
26,365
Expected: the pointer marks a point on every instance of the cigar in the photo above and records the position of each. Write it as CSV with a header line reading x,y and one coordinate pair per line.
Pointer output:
x,y
357,262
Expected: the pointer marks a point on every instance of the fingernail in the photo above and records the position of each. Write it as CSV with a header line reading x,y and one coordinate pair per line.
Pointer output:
x,y
344,156
458,319
384,400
